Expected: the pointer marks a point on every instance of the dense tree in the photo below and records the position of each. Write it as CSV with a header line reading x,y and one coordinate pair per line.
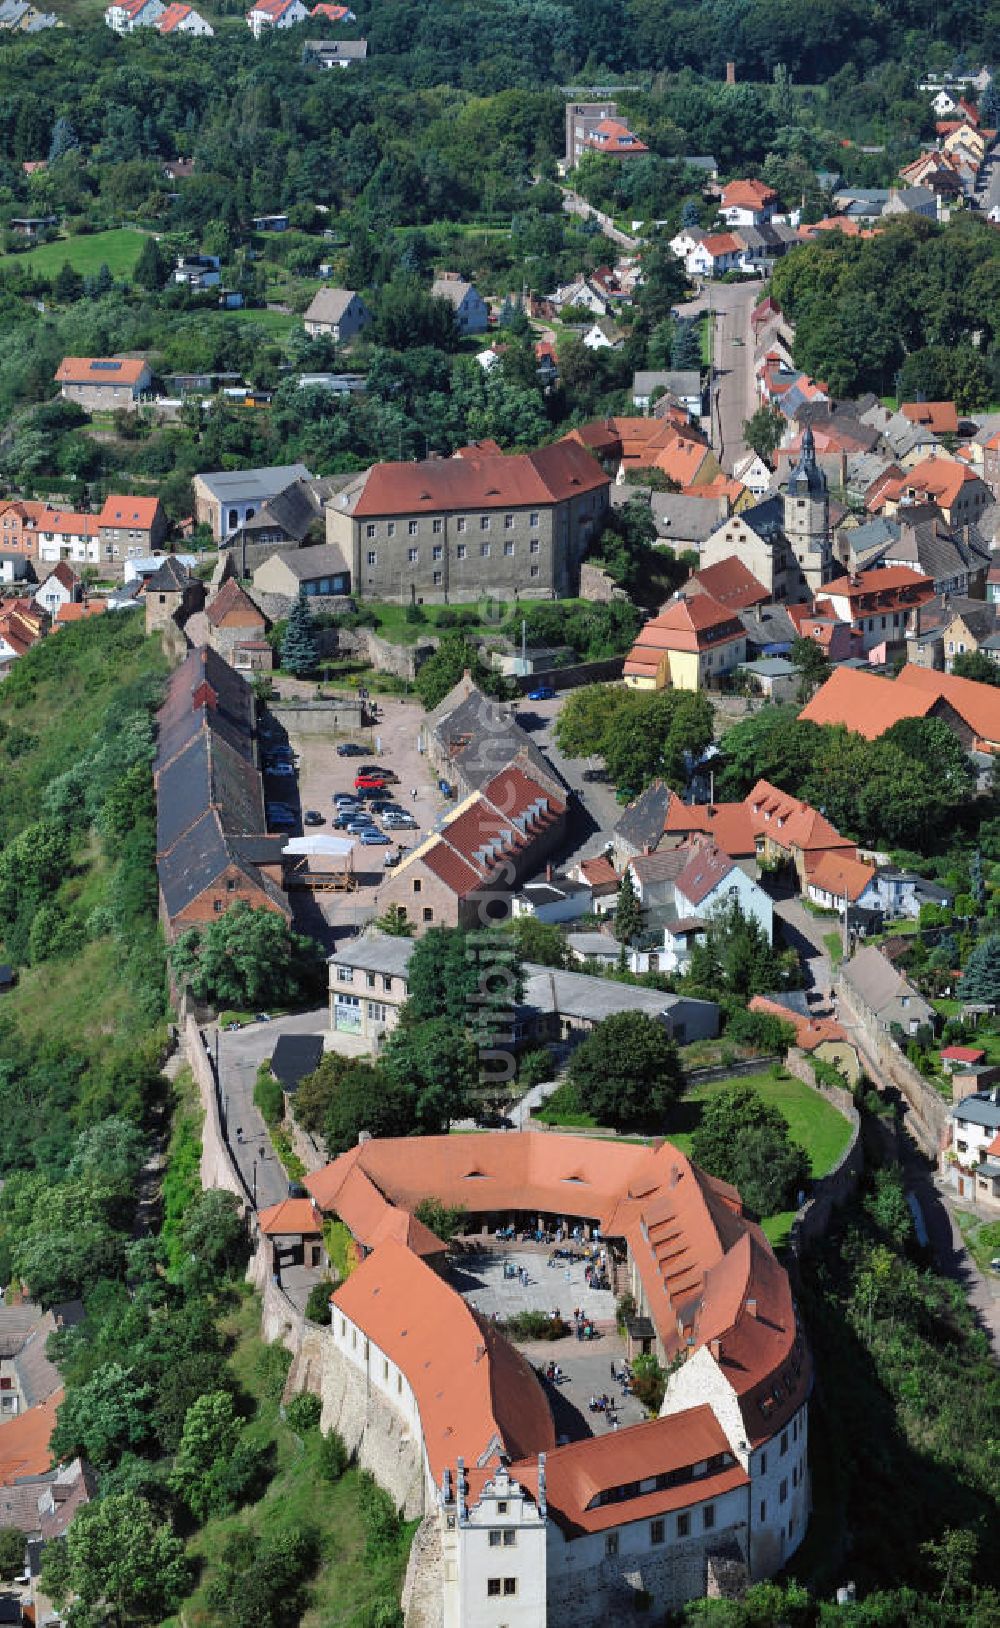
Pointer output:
x,y
437,1063
627,1071
975,665
299,647
980,980
628,911
246,957
208,1442
213,1238
105,1416
640,735
812,664
122,1565
743,1140
764,431
540,941
13,1545
735,956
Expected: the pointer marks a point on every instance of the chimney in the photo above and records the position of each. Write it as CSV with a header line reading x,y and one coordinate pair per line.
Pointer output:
x,y
730,73
752,1307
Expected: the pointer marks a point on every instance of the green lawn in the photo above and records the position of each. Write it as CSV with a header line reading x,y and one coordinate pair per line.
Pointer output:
x,y
982,1238
812,1121
347,1583
393,625
834,946
118,250
277,323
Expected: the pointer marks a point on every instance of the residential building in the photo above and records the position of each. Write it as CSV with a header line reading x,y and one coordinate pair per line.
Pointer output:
x,y
690,642
130,527
495,839
181,19
729,583
971,1162
823,1038
266,14
839,881
61,587
596,127
22,624
46,535
881,606
335,53
451,529
469,738
369,984
472,314
102,383
957,560
227,499
788,831
338,313
552,898
957,490
726,1460
237,629
747,203
970,629
880,995
684,387
212,847
126,15
565,1007
14,568
712,882
715,255
728,826
754,474
310,571
198,271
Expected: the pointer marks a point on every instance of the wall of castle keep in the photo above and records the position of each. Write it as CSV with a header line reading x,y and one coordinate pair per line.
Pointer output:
x,y
382,1440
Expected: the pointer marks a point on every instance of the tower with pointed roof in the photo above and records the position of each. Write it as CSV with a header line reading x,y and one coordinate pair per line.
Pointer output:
x,y
807,515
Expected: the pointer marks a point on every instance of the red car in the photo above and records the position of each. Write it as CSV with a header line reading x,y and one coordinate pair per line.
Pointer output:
x,y
369,782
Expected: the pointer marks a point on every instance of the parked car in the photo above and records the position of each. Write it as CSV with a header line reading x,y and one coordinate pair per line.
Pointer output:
x,y
400,822
369,782
374,839
350,749
544,692
345,799
312,816
282,771
357,828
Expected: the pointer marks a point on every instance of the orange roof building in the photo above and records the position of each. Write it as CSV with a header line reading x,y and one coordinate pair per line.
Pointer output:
x,y
819,1037
691,641
788,829
24,1440
869,705
729,583
939,416
473,1441
960,494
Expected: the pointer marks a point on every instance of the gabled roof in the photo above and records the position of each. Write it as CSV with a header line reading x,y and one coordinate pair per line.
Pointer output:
x,y
690,625
730,584
841,875
790,822
729,825
232,598
864,702
139,513
170,577
747,195
293,1217
329,304
295,1056
977,704
550,474
707,869
939,416
102,370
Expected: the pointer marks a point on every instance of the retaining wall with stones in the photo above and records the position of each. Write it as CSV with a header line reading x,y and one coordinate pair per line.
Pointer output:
x,y
836,1187
927,1111
218,1168
379,1438
330,716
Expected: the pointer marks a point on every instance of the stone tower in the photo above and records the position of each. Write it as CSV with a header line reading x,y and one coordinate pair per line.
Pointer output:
x,y
807,516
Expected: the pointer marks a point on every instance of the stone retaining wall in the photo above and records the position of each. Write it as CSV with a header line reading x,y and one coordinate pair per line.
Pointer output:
x,y
927,1111
829,1192
379,1438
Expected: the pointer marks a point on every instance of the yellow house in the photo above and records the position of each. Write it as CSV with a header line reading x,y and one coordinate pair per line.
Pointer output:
x,y
691,641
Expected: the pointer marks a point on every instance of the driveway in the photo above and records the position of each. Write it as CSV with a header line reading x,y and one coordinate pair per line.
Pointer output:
x,y
804,933
240,1054
596,809
734,396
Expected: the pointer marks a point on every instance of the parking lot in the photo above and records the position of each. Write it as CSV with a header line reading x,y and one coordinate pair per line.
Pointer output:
x,y
394,742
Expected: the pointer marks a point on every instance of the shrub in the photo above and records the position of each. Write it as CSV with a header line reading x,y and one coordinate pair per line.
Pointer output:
x,y
273,1364
536,1325
380,1518
12,1549
303,1413
318,1303
649,1382
333,1456
268,1095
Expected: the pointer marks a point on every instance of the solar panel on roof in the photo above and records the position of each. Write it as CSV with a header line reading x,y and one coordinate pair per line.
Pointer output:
x,y
105,367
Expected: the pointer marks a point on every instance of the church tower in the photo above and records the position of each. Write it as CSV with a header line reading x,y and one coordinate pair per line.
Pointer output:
x,y
807,515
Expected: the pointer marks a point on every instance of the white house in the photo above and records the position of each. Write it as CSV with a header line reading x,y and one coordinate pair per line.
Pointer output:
x,y
198,271
838,880
971,1162
748,203
711,881
472,314
944,105
338,313
275,14
582,292
61,587
129,14
754,474
552,899
13,568
597,337
716,255
686,240
180,19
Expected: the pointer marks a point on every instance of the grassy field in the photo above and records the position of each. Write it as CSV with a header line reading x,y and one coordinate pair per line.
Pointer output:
x,y
812,1121
982,1238
393,625
278,323
347,1582
834,947
118,250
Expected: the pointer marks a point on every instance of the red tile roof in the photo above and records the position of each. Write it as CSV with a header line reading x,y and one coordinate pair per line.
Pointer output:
x,y
600,874
790,822
172,17
293,1217
841,875
893,587
103,370
232,598
747,195
24,1440
707,868
939,416
978,705
137,513
728,824
935,480
864,702
474,1392
551,474
963,1054
689,625
501,822
722,243
809,1032
730,584
612,136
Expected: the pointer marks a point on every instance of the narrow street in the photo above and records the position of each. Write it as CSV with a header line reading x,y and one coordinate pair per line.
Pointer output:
x,y
240,1054
733,391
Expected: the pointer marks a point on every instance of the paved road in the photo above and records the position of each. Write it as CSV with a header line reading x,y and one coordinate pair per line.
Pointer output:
x,y
240,1055
734,395
805,933
954,1260
598,809
573,204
